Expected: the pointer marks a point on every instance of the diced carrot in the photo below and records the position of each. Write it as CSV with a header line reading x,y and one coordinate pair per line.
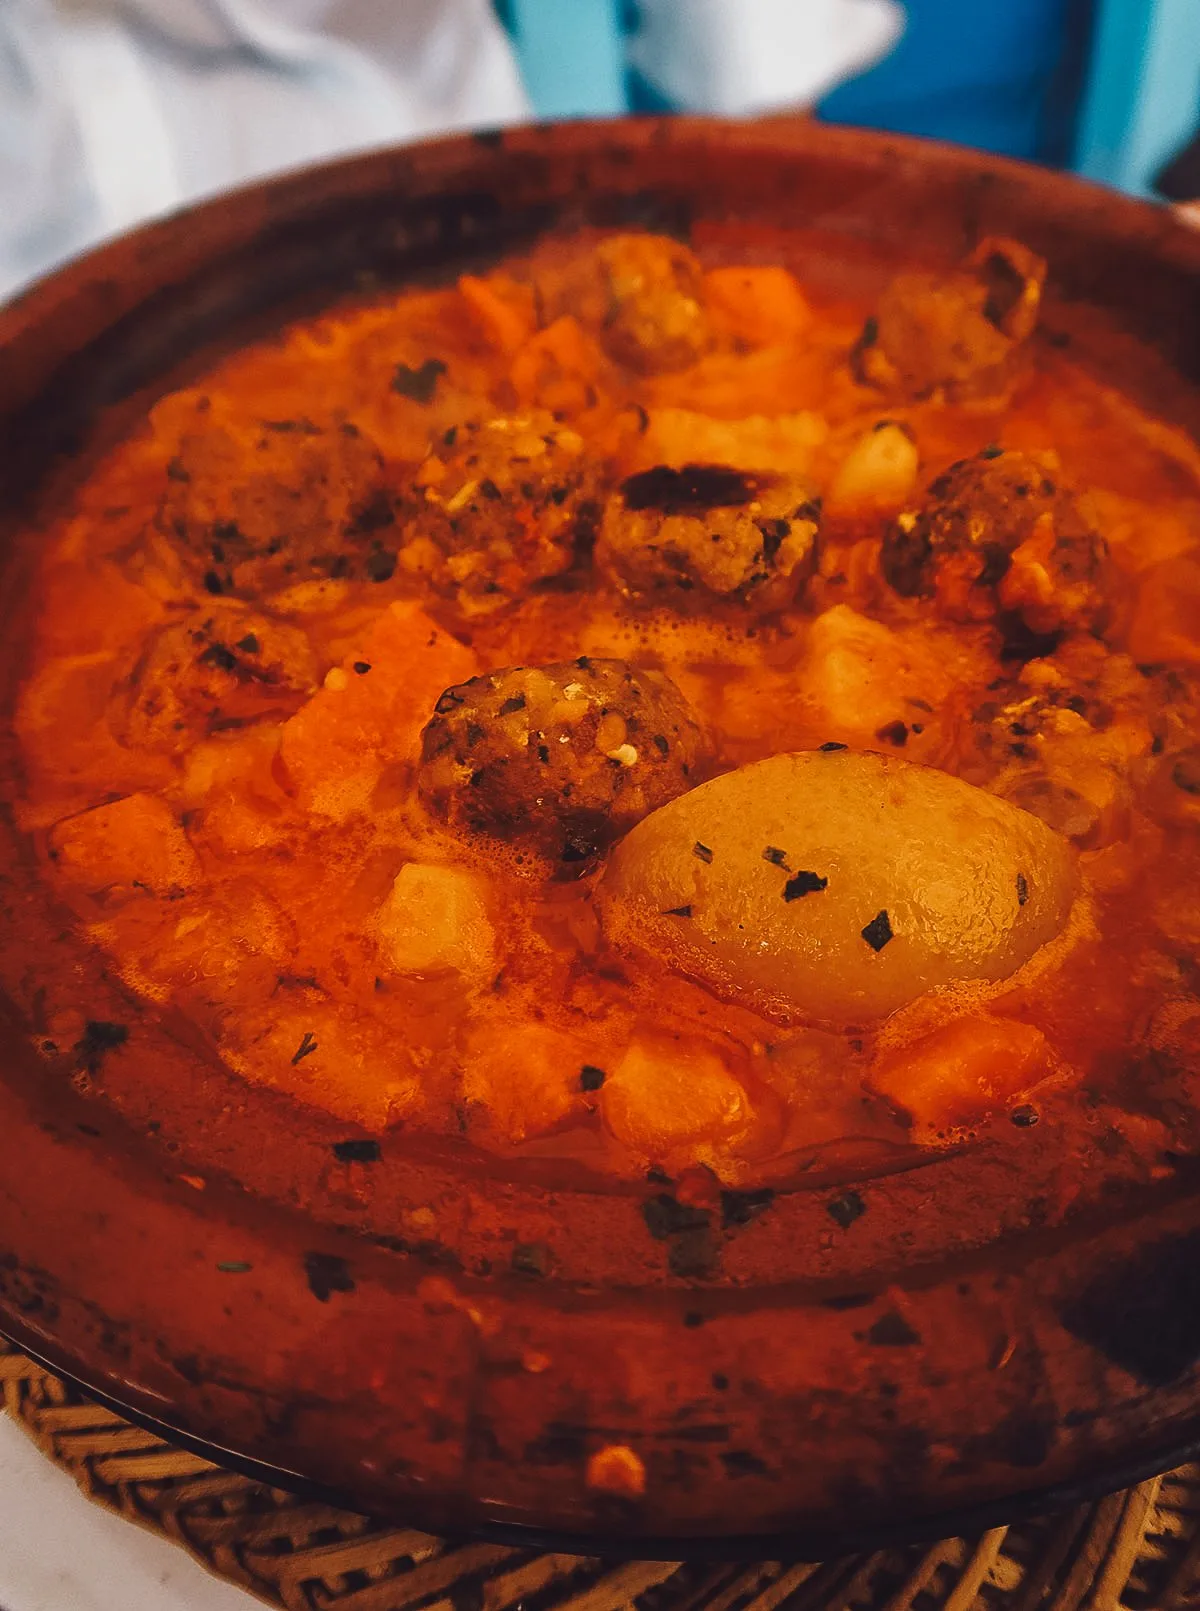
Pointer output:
x,y
504,308
525,1075
760,305
130,844
335,748
962,1072
435,920
556,367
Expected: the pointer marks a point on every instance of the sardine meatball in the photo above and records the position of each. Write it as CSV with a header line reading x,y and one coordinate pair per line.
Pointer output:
x,y
643,295
501,504
958,334
259,504
560,759
998,532
217,670
725,533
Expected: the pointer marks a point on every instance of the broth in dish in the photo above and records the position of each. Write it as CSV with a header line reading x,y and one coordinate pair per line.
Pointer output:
x,y
632,709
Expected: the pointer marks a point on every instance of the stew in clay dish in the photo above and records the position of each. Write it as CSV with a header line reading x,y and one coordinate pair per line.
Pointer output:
x,y
629,710
672,729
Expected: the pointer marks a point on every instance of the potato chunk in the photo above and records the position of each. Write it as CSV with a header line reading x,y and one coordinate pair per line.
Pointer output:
x,y
836,887
435,920
675,1101
878,474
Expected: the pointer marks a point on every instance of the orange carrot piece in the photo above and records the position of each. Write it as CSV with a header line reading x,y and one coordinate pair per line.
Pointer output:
x,y
760,305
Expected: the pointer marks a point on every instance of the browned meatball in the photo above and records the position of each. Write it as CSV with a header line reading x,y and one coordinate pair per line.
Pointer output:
x,y
644,296
559,759
998,533
502,504
259,504
219,669
749,537
1068,740
958,334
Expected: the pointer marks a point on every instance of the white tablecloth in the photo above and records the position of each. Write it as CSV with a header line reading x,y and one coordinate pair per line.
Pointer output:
x,y
59,1552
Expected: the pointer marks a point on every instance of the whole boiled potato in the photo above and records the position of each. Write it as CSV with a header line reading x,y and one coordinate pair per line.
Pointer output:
x,y
834,887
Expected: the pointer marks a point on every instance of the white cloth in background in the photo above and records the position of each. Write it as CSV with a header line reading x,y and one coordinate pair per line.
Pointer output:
x,y
739,57
59,1552
114,111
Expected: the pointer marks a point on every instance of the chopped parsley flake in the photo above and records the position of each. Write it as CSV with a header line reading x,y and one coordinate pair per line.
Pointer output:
x,y
307,1045
418,384
878,931
809,884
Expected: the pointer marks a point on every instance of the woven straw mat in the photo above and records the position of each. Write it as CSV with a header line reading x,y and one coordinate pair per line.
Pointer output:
x,y
1134,1551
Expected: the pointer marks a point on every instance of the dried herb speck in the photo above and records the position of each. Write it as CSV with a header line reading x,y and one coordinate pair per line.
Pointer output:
x,y
307,1045
741,1207
1025,1116
418,384
362,667
1185,774
878,931
1022,889
830,745
531,1258
893,1331
357,1151
846,1208
665,1216
591,1078
741,1463
704,853
98,1039
803,883
234,1267
380,566
678,911
327,1273
774,855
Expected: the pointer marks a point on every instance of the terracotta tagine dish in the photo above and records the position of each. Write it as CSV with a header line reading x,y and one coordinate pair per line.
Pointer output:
x,y
601,834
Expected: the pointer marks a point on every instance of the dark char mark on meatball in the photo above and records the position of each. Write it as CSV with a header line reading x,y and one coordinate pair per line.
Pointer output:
x,y
689,490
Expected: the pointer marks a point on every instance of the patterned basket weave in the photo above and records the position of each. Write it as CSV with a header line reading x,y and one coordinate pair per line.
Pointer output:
x,y
1135,1551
